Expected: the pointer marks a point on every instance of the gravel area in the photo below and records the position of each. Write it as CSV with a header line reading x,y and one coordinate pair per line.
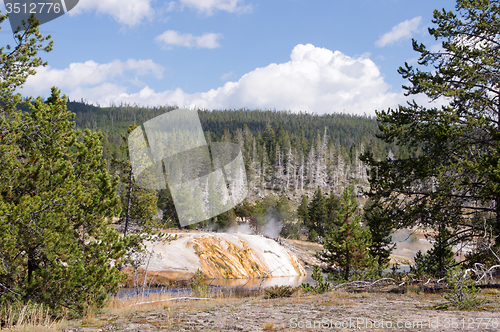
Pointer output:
x,y
336,311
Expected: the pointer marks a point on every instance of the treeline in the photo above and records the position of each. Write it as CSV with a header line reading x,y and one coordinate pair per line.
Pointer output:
x,y
283,151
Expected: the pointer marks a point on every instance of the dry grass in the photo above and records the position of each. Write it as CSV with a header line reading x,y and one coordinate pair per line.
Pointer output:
x,y
269,327
135,302
57,327
29,317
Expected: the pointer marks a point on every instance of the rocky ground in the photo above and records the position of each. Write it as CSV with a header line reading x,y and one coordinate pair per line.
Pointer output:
x,y
335,311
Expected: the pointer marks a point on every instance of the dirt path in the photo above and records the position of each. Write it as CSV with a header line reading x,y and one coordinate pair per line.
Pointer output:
x,y
336,311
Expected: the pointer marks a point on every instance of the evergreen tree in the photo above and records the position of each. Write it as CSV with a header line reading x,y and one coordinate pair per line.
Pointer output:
x,y
139,204
303,210
56,198
439,258
318,213
56,207
283,208
166,204
453,152
346,244
244,210
380,228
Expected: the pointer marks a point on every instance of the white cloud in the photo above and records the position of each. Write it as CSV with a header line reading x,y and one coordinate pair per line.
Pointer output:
x,y
90,77
208,7
127,12
314,80
400,31
171,37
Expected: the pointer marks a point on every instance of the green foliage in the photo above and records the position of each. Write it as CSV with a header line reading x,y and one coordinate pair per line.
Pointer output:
x,y
278,148
438,259
318,213
166,205
56,197
431,263
303,210
19,62
244,210
139,207
226,219
321,285
482,256
278,292
198,287
291,230
346,243
56,207
312,236
380,230
452,167
266,210
462,292
283,208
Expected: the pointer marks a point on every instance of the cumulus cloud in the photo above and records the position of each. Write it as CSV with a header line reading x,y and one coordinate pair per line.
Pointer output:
x,y
126,12
314,80
173,38
400,31
90,78
208,7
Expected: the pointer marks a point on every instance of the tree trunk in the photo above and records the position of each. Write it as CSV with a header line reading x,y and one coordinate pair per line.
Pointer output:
x,y
129,201
347,263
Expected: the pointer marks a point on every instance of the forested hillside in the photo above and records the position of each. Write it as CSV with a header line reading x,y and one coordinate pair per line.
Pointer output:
x,y
282,150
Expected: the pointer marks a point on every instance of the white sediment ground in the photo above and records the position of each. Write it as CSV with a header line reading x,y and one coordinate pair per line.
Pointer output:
x,y
224,255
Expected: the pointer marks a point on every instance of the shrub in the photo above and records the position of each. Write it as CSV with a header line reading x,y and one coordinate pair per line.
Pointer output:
x,y
198,287
313,236
462,292
278,291
321,285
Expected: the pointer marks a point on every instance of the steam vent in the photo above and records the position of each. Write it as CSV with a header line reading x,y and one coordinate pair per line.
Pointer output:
x,y
222,255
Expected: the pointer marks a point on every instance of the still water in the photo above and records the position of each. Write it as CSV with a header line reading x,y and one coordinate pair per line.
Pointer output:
x,y
243,287
235,286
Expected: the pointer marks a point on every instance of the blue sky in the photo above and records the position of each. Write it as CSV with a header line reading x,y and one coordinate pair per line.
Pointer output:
x,y
320,56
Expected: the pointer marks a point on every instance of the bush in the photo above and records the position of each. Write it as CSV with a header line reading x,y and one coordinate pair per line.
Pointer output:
x,y
291,230
434,262
321,285
313,236
198,287
278,291
462,292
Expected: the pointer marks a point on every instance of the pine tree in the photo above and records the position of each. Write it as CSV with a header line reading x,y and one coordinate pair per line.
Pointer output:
x,y
56,198
346,243
166,204
283,208
452,152
318,213
139,204
303,210
380,227
56,206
